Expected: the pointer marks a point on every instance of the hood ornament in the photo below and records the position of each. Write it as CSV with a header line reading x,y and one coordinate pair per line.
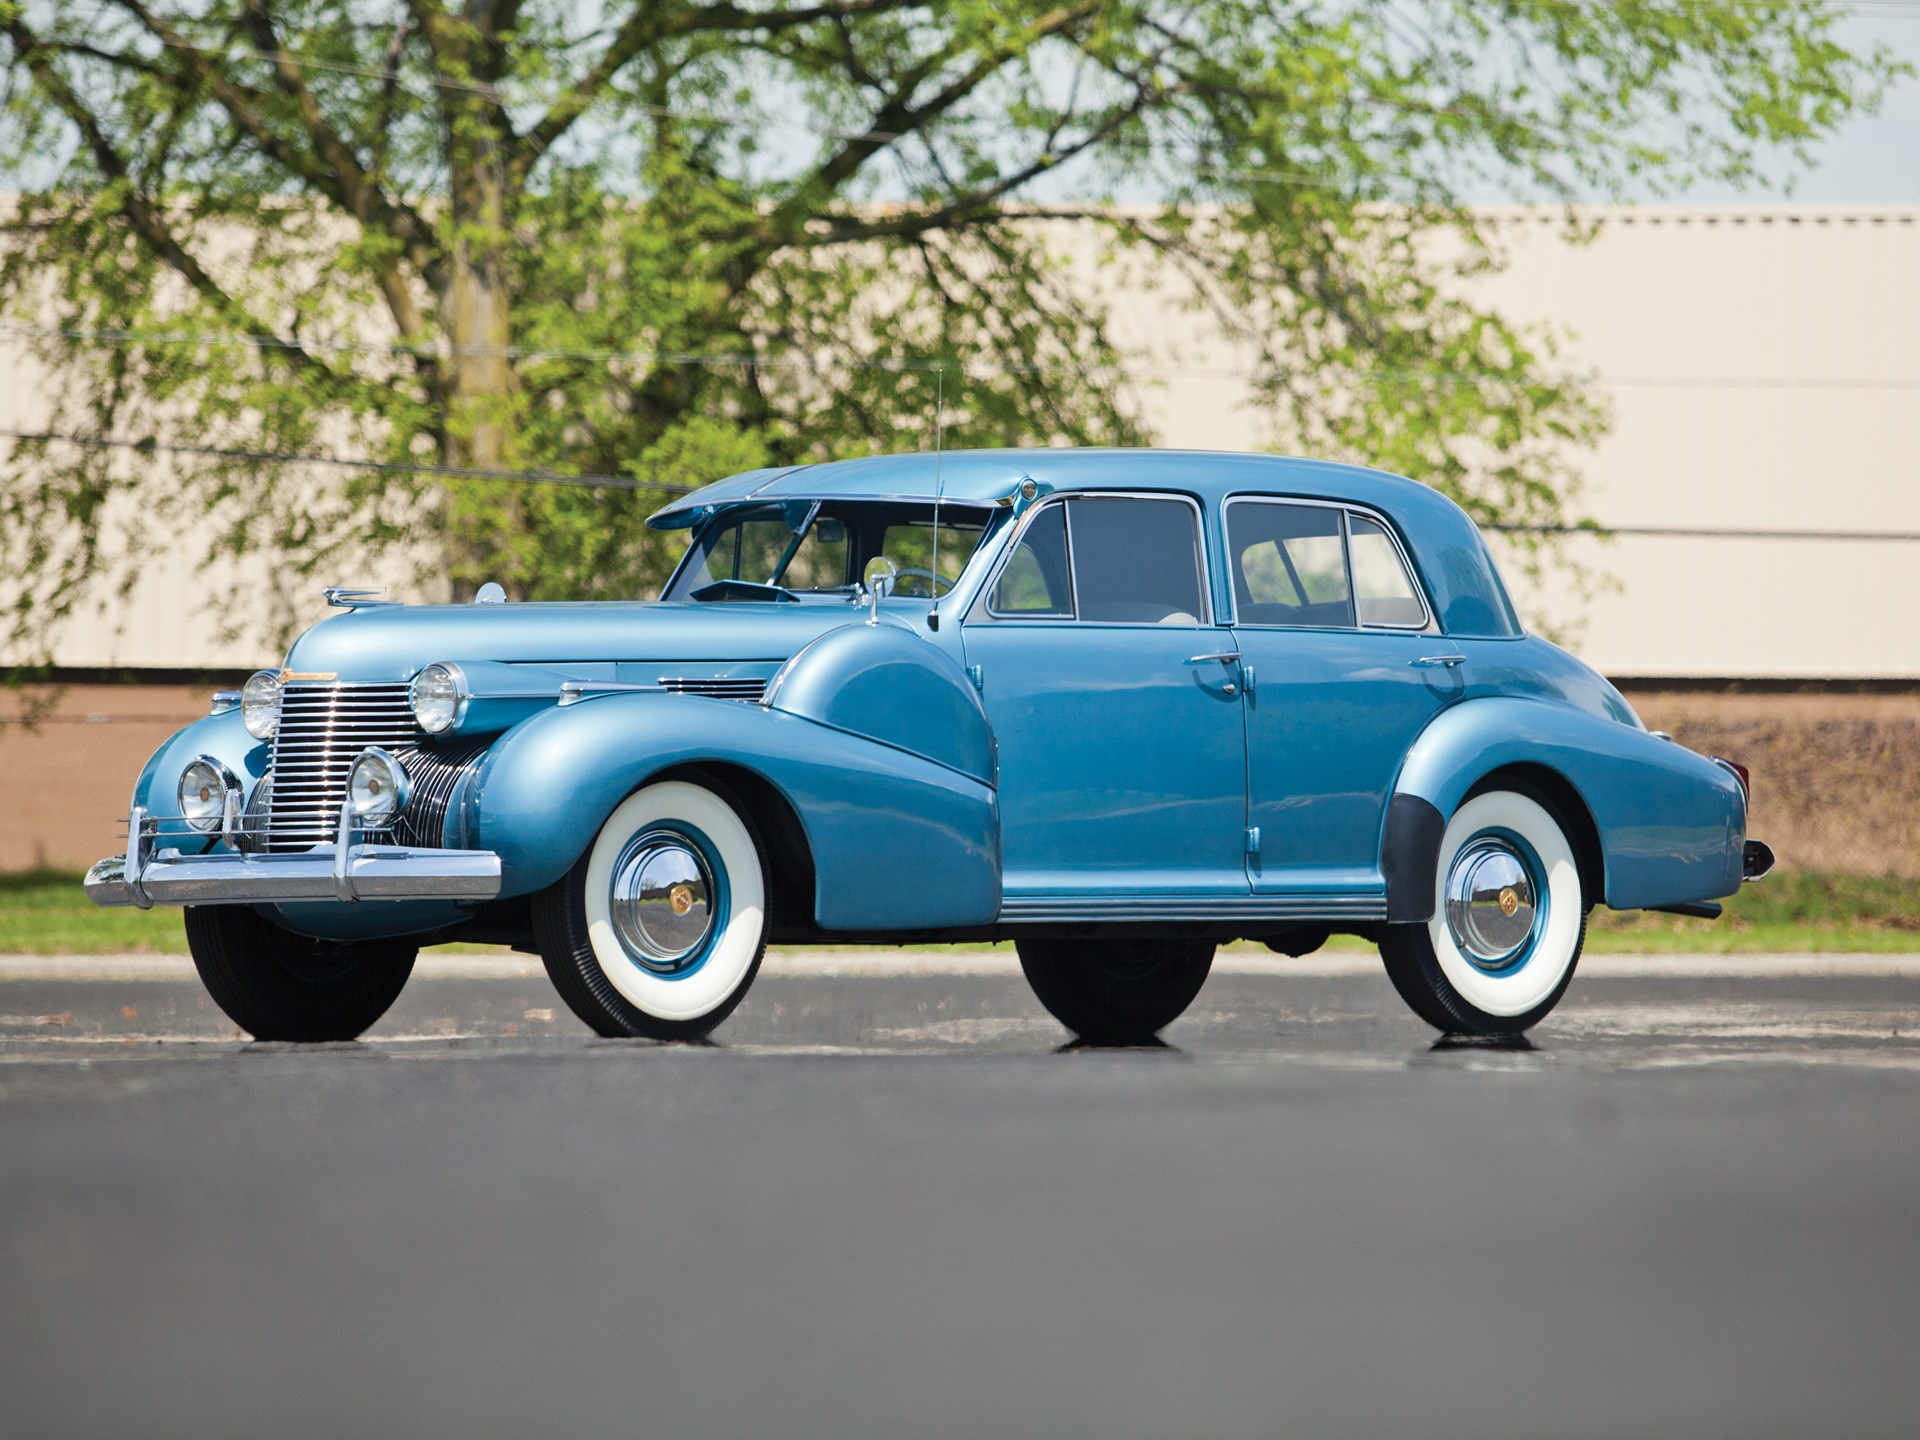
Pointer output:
x,y
491,593
345,597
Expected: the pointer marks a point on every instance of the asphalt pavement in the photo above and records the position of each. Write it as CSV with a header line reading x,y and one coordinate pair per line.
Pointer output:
x,y
892,1200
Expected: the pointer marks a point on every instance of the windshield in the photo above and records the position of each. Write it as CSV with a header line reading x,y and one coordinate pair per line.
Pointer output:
x,y
823,546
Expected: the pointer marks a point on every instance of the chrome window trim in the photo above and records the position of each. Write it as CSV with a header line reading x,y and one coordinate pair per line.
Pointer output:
x,y
981,610
1346,508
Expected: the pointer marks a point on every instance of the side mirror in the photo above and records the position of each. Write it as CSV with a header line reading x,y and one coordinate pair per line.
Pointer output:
x,y
880,575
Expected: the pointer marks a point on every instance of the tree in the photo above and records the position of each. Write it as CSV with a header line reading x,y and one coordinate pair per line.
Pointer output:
x,y
672,240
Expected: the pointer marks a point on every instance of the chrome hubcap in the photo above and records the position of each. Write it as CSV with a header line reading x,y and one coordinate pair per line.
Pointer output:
x,y
662,900
1491,902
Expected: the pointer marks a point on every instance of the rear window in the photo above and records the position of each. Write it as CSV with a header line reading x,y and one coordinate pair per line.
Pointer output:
x,y
1289,564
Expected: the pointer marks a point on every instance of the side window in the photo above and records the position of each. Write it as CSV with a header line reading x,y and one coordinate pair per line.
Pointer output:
x,y
1289,565
1036,582
1381,585
1136,561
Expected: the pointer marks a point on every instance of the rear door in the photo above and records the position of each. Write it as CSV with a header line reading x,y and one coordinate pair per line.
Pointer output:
x,y
1346,672
1122,747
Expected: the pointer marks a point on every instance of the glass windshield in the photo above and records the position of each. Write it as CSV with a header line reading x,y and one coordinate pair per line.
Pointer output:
x,y
823,547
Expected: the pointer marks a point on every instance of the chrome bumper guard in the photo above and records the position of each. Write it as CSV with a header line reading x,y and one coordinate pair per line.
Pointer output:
x,y
348,871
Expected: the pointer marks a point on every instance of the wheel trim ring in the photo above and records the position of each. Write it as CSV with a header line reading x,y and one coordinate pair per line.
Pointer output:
x,y
668,931
1496,901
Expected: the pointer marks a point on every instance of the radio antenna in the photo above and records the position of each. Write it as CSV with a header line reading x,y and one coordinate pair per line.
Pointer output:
x,y
939,437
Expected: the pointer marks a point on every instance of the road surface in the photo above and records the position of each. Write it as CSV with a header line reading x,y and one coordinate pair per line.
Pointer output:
x,y
890,1203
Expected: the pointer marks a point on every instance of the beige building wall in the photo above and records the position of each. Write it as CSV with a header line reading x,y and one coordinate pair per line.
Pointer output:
x,y
1763,367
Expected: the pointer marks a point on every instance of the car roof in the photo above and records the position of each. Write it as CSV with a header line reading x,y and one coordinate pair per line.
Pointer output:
x,y
990,476
1446,545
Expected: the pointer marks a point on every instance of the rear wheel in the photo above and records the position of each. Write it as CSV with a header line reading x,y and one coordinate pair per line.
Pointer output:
x,y
1116,992
660,928
276,985
1509,921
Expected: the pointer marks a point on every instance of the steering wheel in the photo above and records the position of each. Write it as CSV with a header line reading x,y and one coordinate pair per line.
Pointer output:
x,y
939,584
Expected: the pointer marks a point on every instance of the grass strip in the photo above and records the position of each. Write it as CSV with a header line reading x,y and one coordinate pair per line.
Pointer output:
x,y
45,912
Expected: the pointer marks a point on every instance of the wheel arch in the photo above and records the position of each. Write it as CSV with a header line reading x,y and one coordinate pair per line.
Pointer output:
x,y
786,852
1569,807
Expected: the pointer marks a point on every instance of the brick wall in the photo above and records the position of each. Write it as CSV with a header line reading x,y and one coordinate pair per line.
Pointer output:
x,y
1836,776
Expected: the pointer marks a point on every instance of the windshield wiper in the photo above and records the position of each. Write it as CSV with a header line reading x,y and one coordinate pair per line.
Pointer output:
x,y
744,590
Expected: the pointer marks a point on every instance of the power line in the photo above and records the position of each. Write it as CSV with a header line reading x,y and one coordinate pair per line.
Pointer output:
x,y
624,482
388,467
817,360
1685,532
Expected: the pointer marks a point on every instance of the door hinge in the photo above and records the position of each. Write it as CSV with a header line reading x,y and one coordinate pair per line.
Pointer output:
x,y
979,681
1253,840
1246,678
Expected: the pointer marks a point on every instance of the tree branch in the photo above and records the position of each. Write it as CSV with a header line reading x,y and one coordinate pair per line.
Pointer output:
x,y
352,187
841,230
143,214
899,117
650,24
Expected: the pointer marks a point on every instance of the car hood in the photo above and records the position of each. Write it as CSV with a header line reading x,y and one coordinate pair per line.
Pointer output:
x,y
389,643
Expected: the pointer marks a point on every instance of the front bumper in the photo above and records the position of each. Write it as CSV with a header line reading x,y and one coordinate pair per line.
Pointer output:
x,y
344,872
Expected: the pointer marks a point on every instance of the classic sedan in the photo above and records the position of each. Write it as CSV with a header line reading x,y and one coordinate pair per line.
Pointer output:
x,y
1117,706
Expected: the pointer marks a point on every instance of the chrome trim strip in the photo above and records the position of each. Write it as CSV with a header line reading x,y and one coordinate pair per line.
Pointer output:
x,y
1016,909
372,872
1346,508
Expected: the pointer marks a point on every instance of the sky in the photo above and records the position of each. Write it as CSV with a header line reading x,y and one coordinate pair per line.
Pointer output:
x,y
1872,161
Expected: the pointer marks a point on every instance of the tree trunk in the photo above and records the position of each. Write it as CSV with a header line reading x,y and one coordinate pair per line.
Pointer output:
x,y
485,529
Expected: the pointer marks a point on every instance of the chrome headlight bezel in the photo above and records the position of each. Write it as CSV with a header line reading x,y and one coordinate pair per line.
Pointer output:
x,y
438,697
260,703
378,788
209,783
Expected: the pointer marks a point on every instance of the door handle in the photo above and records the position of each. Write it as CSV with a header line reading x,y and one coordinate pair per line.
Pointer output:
x,y
1440,662
1225,657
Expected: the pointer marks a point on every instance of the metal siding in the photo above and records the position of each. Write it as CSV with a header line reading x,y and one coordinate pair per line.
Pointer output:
x,y
1810,293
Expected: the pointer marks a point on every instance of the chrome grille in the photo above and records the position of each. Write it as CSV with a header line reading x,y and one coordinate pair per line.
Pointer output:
x,y
720,687
435,775
322,728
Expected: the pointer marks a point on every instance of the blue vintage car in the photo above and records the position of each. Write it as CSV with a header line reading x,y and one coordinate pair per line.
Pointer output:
x,y
1117,706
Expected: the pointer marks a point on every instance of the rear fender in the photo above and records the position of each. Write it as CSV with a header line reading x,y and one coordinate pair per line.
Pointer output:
x,y
898,841
1671,823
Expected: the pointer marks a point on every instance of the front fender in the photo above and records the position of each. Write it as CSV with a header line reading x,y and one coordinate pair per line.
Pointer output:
x,y
1671,823
898,842
222,736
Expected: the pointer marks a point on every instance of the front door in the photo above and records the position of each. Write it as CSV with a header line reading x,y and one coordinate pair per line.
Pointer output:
x,y
1122,746
1346,673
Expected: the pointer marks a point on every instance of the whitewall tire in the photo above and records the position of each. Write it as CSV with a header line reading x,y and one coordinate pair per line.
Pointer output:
x,y
1509,920
660,928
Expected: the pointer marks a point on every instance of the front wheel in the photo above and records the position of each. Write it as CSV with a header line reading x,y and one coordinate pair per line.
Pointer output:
x,y
660,928
1509,921
276,985
1116,992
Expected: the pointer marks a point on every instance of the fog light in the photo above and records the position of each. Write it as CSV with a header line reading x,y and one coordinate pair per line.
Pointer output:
x,y
204,787
377,788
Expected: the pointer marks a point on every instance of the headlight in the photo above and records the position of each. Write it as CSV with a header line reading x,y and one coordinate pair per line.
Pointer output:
x,y
439,697
204,787
377,788
260,704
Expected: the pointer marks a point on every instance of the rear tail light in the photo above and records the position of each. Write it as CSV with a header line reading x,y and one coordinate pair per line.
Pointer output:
x,y
1739,773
